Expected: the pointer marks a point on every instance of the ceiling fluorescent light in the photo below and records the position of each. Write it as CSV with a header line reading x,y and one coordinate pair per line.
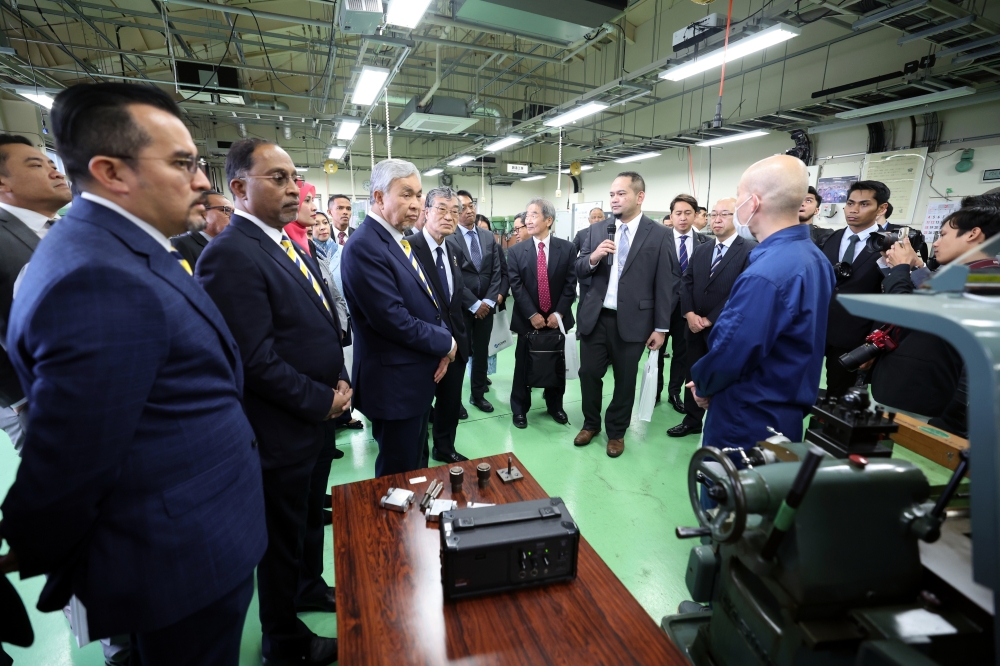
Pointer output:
x,y
939,96
459,161
731,138
302,169
370,83
506,142
337,152
40,100
347,129
637,158
529,178
406,13
764,39
575,114
433,172
585,167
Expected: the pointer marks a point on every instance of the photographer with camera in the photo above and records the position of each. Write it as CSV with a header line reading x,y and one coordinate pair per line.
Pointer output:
x,y
855,265
924,374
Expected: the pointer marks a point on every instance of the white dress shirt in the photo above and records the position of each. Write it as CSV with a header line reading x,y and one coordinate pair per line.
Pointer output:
x,y
145,226
205,236
688,242
270,232
611,298
862,235
433,245
396,234
34,221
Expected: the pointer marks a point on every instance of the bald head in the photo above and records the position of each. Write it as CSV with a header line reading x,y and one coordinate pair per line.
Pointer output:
x,y
770,194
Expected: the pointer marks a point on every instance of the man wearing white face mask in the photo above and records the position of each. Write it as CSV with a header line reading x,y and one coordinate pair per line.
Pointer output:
x,y
766,349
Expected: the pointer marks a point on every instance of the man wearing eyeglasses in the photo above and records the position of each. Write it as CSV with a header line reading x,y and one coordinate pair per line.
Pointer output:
x,y
272,295
704,291
215,218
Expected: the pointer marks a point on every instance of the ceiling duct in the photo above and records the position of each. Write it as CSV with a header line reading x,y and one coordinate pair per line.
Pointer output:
x,y
443,115
490,110
206,80
360,17
554,20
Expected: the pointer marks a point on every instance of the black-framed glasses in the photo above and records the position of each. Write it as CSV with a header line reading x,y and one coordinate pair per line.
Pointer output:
x,y
228,210
518,228
190,163
714,215
281,179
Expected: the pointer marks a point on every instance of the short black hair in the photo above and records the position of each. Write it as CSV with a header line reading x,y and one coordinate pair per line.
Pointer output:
x,y
465,193
638,182
702,208
91,119
685,198
6,140
879,188
336,196
240,157
888,211
966,219
816,195
991,198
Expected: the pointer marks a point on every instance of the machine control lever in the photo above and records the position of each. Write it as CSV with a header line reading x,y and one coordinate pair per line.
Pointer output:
x,y
928,526
692,532
786,514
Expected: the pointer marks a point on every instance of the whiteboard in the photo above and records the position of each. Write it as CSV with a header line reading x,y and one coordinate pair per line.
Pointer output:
x,y
901,171
581,215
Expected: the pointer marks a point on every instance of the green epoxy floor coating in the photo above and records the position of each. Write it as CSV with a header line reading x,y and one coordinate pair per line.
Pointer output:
x,y
627,508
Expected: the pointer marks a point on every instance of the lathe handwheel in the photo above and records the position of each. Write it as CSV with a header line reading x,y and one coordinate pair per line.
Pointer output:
x,y
728,524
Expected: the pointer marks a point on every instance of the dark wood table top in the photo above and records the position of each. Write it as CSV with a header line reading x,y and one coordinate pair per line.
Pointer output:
x,y
391,609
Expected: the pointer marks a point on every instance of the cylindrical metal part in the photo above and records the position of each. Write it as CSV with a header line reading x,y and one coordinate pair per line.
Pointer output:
x,y
483,473
457,475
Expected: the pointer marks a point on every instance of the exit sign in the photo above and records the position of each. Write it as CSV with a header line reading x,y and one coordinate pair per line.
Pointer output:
x,y
517,168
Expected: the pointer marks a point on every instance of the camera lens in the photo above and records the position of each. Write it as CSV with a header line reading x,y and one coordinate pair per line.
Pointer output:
x,y
843,270
855,358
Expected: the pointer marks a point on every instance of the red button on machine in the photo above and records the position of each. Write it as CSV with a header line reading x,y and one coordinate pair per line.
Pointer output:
x,y
855,459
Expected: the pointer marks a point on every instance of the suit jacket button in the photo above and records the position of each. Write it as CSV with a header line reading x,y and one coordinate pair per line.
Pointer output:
x,y
438,317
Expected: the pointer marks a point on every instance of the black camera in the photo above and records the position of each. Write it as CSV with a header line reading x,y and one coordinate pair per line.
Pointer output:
x,y
843,270
881,242
881,340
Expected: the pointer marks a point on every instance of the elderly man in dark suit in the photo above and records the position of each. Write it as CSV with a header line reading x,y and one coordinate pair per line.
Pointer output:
x,y
627,307
218,210
684,239
402,345
444,270
705,289
543,279
139,488
31,192
484,278
282,315
866,201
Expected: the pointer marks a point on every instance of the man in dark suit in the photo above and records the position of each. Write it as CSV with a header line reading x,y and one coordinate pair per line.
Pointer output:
x,y
866,200
705,289
543,279
483,277
339,207
627,307
596,215
684,238
139,488
444,271
31,192
281,314
402,346
218,210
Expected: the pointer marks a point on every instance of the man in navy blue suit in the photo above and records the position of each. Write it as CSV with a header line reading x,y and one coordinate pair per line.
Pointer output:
x,y
402,347
139,489
272,295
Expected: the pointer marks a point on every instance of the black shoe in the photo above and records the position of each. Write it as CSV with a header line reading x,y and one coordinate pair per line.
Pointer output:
x,y
328,604
692,607
678,404
327,517
321,652
683,430
462,413
447,457
338,454
355,424
489,382
658,397
520,421
559,416
482,403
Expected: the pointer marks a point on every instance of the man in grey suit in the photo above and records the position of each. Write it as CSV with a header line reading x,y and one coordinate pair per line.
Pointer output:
x,y
482,276
31,192
596,215
627,307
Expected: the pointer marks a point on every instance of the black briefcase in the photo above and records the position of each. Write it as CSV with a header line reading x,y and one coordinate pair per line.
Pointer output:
x,y
546,358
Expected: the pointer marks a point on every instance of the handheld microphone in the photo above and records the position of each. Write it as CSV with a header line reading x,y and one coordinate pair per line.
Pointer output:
x,y
611,237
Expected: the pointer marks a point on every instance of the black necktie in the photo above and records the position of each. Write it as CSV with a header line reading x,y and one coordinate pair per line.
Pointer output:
x,y
443,273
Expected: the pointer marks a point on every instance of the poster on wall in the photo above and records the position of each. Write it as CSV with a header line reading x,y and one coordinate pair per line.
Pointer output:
x,y
901,171
834,189
936,212
359,212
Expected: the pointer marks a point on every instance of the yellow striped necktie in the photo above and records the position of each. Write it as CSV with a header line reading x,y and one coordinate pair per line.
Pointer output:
x,y
182,261
297,260
416,267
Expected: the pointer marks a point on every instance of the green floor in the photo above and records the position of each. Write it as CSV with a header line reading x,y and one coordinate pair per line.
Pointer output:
x,y
627,508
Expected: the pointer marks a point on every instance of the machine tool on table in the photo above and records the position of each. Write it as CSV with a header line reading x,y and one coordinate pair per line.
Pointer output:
x,y
865,571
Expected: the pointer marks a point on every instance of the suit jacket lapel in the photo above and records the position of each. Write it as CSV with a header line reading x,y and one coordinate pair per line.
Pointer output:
x,y
397,252
18,229
426,258
832,246
464,245
645,225
734,249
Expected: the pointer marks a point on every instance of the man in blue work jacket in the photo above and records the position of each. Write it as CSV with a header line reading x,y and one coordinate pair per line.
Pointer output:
x,y
766,350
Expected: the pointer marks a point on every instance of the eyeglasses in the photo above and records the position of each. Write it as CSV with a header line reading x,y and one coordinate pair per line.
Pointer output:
x,y
281,179
518,227
190,163
454,212
225,209
714,215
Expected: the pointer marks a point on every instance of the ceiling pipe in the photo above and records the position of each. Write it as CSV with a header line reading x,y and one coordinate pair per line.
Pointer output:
x,y
437,79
